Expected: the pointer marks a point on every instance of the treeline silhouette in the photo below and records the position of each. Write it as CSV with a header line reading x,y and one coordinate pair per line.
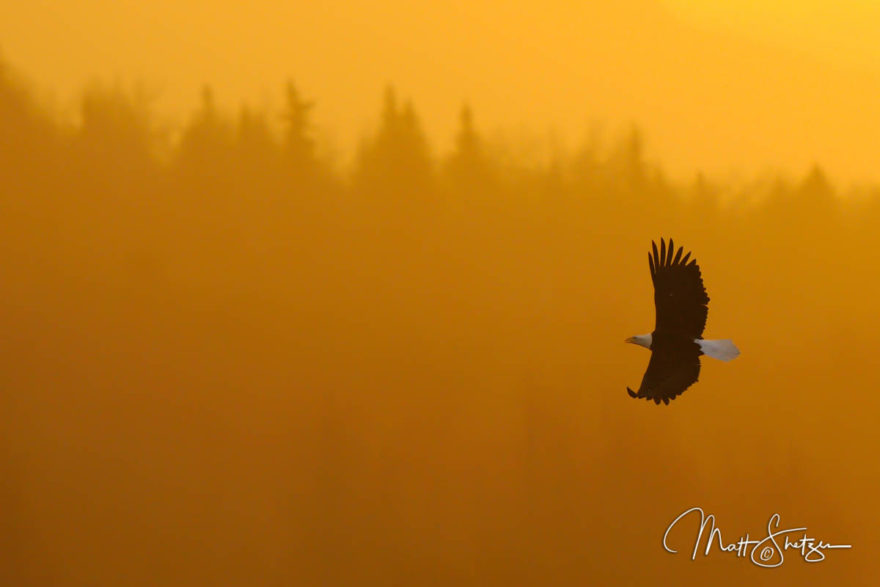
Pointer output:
x,y
227,359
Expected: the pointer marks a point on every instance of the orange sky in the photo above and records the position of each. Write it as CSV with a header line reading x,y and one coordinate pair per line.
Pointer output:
x,y
234,368
723,85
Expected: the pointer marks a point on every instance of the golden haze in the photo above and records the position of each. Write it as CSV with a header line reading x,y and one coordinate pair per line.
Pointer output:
x,y
229,360
800,75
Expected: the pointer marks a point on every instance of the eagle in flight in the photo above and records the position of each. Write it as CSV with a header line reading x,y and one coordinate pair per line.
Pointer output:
x,y
676,344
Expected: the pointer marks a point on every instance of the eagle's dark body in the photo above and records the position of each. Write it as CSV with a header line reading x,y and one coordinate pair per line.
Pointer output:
x,y
681,305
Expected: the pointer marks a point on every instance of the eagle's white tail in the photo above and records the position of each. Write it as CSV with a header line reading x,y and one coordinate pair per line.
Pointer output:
x,y
719,349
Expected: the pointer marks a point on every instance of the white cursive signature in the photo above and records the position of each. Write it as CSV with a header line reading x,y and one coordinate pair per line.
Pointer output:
x,y
767,552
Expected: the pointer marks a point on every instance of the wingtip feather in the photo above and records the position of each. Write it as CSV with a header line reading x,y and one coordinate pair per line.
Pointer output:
x,y
678,256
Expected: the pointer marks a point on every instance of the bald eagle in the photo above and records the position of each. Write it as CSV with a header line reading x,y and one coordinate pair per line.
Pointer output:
x,y
681,302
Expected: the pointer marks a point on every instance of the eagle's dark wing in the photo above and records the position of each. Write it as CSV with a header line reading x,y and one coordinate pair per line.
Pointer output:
x,y
679,296
674,366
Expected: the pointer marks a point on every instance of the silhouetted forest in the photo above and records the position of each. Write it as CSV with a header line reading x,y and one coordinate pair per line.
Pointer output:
x,y
230,359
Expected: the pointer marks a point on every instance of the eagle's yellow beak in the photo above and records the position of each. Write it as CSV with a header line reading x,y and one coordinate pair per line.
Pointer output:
x,y
630,339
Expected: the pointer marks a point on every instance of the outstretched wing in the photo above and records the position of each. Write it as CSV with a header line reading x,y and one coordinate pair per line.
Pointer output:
x,y
674,366
679,296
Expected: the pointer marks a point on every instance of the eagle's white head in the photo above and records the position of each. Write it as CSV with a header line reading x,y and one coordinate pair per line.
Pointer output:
x,y
641,340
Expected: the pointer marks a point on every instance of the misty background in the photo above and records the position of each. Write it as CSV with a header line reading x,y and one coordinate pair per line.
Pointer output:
x,y
800,75
234,354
